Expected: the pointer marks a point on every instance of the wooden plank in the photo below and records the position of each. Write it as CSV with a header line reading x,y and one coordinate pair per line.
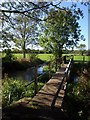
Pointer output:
x,y
47,94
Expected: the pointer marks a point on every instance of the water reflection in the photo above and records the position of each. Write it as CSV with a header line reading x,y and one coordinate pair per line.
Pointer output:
x,y
40,70
27,74
75,78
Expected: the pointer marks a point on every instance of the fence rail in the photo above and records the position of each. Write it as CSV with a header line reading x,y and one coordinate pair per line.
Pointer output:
x,y
67,73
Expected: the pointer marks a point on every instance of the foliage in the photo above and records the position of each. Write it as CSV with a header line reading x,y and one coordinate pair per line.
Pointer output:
x,y
45,57
61,30
21,22
33,57
82,48
78,95
13,90
9,57
18,28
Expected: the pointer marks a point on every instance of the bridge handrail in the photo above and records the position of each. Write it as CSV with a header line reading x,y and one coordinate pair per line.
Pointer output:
x,y
66,73
34,79
68,68
63,83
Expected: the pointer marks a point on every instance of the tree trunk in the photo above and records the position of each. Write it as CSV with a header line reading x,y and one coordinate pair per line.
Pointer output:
x,y
60,52
24,54
24,50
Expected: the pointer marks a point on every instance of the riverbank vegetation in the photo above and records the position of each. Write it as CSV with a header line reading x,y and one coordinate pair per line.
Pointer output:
x,y
14,89
78,93
14,62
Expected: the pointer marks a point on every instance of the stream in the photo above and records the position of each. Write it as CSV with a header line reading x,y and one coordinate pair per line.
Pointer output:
x,y
28,74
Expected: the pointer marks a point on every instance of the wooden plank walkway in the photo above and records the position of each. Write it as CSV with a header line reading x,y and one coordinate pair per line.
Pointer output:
x,y
51,95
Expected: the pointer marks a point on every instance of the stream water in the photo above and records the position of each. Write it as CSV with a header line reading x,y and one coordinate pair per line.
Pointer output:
x,y
27,74
75,78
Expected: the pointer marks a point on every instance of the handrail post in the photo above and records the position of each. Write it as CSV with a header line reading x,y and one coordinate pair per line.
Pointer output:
x,y
49,70
36,81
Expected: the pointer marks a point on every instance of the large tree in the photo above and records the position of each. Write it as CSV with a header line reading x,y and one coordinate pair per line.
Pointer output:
x,y
19,28
25,32
61,29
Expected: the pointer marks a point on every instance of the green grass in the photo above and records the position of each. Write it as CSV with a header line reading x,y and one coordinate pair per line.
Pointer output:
x,y
47,57
13,90
80,58
20,56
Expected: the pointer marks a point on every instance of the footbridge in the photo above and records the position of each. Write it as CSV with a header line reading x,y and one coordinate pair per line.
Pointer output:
x,y
53,92
47,103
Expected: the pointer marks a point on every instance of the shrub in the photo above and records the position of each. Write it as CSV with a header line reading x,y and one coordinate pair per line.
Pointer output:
x,y
78,96
13,90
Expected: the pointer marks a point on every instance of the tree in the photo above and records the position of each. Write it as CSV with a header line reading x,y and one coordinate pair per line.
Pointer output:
x,y
20,29
25,32
61,30
81,48
20,21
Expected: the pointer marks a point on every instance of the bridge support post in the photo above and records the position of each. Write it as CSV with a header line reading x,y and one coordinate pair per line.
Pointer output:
x,y
36,81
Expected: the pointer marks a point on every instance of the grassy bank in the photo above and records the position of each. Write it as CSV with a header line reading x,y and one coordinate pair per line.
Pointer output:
x,y
18,63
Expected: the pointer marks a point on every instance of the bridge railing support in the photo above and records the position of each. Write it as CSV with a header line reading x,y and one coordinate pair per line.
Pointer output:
x,y
67,73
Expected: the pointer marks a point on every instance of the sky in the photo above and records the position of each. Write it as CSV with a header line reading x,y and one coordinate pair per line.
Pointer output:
x,y
84,23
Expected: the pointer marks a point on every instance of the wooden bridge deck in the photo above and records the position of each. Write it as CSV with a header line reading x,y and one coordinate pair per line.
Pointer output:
x,y
51,95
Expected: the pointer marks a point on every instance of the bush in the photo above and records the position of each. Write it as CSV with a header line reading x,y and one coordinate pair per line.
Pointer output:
x,y
78,95
13,90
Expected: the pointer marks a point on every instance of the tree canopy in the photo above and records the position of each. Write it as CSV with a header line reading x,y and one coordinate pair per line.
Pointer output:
x,y
61,30
22,22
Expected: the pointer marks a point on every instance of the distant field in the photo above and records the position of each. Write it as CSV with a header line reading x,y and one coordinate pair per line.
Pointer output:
x,y
80,58
20,56
48,57
45,57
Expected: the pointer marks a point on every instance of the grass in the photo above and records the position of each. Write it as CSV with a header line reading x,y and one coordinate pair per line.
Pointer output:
x,y
47,57
80,58
44,57
14,89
